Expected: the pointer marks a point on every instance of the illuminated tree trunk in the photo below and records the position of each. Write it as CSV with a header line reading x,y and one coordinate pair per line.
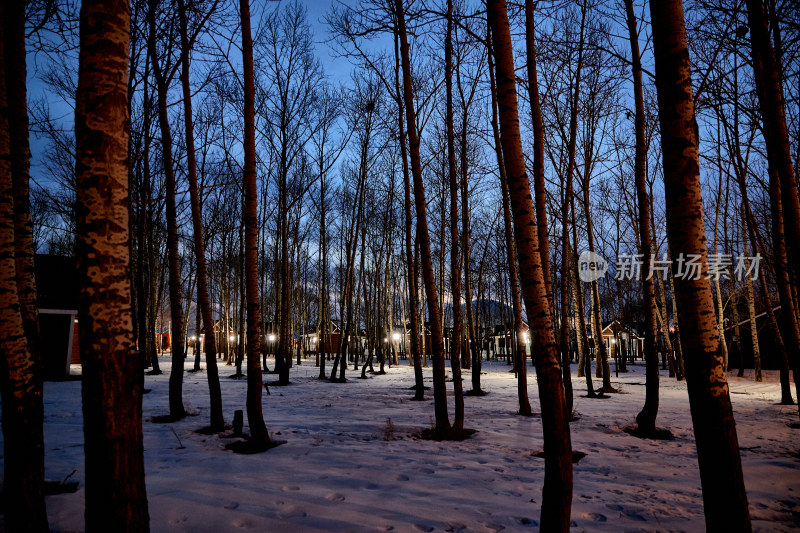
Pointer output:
x,y
724,496
511,254
112,393
557,491
538,152
20,378
20,153
428,275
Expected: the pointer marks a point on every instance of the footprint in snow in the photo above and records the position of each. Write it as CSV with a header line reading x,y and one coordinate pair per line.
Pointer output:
x,y
291,511
494,528
289,488
629,513
595,517
401,477
232,505
423,527
334,497
242,523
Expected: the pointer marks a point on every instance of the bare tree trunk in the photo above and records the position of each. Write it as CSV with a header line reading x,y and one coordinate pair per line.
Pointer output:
x,y
724,496
284,353
112,394
568,195
20,377
540,190
723,344
597,326
576,325
176,409
735,342
646,419
680,371
324,298
772,104
791,330
538,158
511,254
557,491
255,417
439,391
786,388
19,156
661,302
473,342
751,304
242,298
455,275
784,199
145,283
204,303
413,303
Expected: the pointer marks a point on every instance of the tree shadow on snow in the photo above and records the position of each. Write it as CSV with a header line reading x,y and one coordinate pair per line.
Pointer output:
x,y
655,434
576,456
448,434
250,446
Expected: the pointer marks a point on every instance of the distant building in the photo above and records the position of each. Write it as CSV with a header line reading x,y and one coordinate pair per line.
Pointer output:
x,y
619,339
330,344
57,299
498,344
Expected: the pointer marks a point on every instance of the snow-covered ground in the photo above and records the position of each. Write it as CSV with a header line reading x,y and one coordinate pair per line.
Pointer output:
x,y
343,470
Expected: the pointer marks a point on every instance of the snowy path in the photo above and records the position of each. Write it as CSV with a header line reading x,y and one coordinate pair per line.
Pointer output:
x,y
337,473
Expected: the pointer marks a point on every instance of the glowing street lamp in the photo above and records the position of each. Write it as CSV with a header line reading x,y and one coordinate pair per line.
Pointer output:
x,y
396,337
271,338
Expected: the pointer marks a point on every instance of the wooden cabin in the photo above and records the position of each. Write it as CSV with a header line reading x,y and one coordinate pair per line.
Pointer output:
x,y
498,344
620,339
312,343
